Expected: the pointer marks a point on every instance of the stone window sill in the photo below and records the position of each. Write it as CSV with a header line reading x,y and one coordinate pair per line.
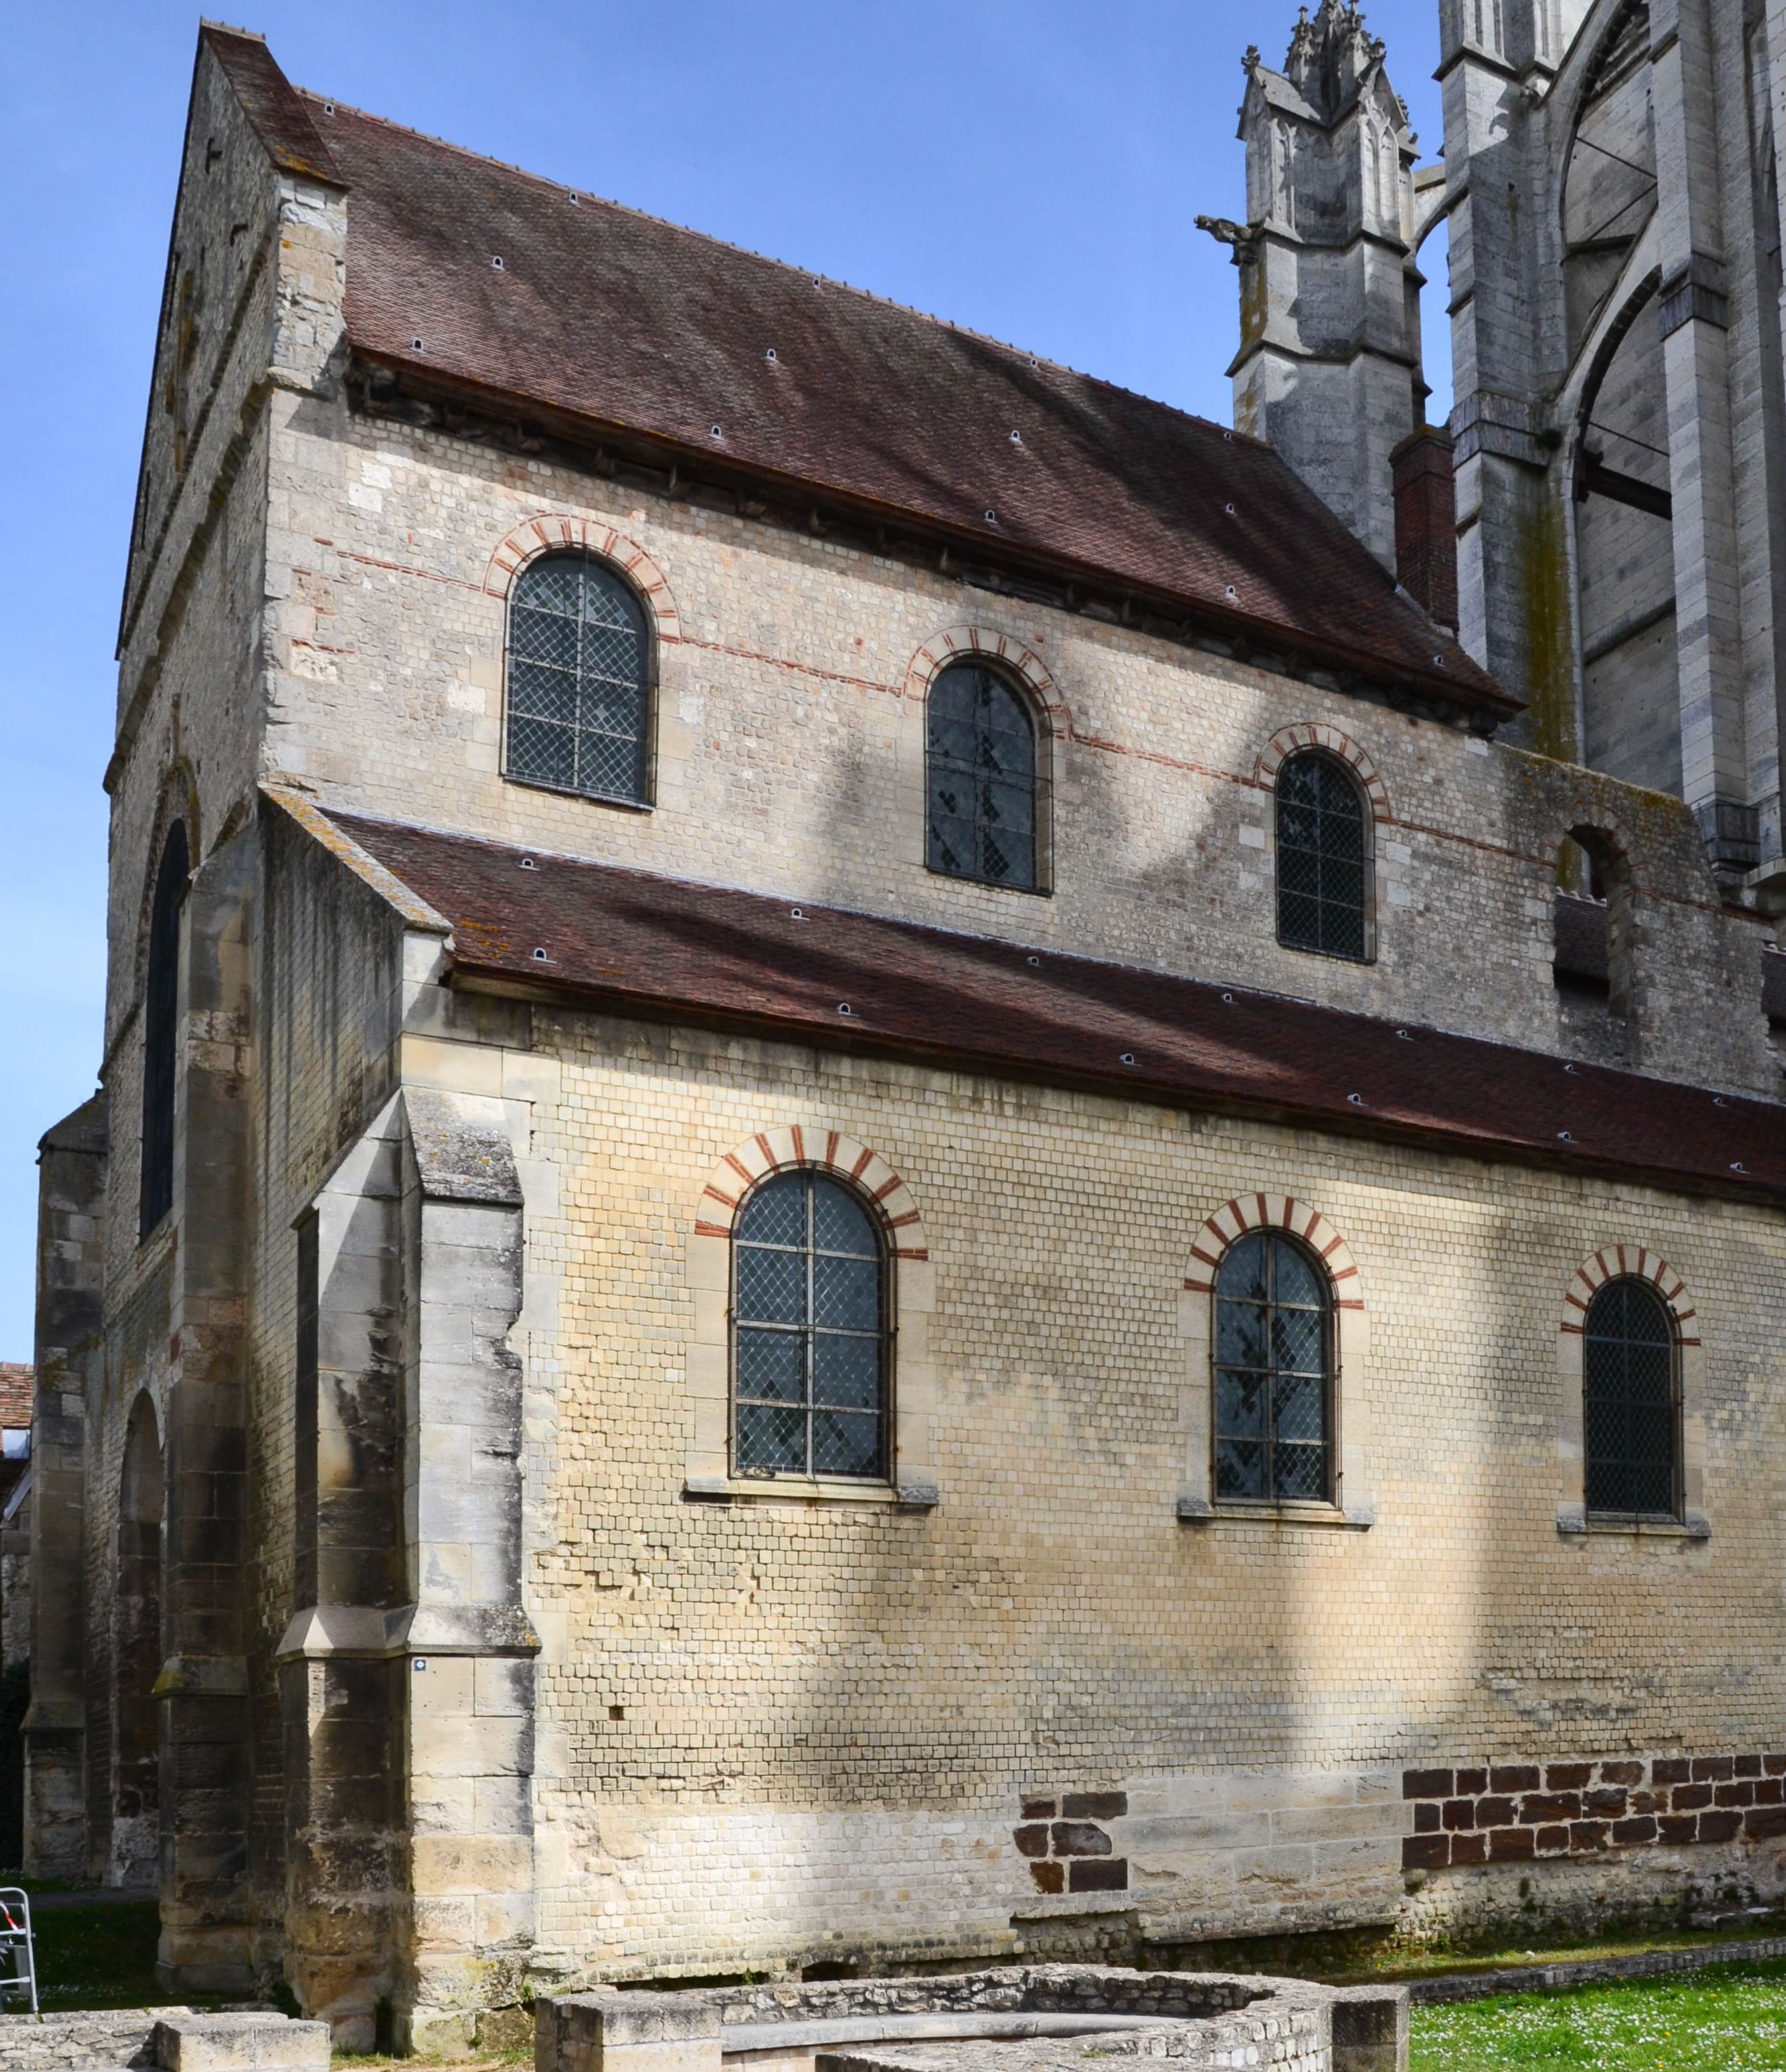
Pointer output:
x,y
807,1488
1199,1510
1695,1525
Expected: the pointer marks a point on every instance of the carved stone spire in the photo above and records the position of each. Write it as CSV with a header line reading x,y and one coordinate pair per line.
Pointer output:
x,y
1329,366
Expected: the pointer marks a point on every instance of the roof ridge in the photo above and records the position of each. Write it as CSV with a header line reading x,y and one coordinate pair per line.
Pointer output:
x,y
829,280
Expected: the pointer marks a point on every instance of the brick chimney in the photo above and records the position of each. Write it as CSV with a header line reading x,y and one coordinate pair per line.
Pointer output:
x,y
1426,521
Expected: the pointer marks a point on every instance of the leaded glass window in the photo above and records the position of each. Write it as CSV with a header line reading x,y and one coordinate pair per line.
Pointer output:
x,y
579,681
810,1332
981,779
1629,1425
161,1032
1323,890
1273,1373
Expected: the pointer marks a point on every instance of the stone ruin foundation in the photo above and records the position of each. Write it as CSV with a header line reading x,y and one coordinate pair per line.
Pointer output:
x,y
1019,2018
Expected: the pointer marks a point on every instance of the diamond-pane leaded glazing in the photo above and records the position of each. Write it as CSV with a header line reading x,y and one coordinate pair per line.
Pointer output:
x,y
1273,1379
1628,1420
1321,892
809,1333
981,778
579,695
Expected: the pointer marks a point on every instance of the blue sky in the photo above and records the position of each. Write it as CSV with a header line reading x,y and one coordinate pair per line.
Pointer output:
x,y
1029,167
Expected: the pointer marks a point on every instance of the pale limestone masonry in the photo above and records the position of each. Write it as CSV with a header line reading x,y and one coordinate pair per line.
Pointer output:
x,y
385,1495
1609,182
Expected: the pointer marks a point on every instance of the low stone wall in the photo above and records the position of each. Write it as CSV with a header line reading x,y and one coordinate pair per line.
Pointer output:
x,y
1027,2018
1591,1971
163,2039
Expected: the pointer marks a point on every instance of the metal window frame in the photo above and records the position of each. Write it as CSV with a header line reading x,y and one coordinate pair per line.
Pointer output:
x,y
1330,1389
882,1471
1676,1513
1367,839
1042,781
619,801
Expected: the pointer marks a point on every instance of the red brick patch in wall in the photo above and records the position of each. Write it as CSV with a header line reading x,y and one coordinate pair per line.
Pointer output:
x,y
1503,1812
1068,1849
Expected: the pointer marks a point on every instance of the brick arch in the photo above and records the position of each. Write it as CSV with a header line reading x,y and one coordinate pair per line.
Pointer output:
x,y
1250,1212
1613,1262
552,532
1317,733
969,642
787,1149
1618,1262
798,1144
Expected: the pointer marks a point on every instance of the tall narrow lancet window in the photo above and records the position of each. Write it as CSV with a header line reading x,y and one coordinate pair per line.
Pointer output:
x,y
579,681
161,1030
982,779
1630,1404
1323,859
809,1335
1273,1374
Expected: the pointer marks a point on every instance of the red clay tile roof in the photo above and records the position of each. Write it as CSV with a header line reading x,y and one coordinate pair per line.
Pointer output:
x,y
634,324
18,1392
631,943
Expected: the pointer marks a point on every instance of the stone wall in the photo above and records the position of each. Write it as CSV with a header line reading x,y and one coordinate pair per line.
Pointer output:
x,y
804,1731
790,752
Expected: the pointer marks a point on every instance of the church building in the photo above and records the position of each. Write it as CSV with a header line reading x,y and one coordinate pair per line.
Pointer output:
x,y
898,1162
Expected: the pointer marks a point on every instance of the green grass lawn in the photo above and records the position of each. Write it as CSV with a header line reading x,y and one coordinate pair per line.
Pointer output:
x,y
1731,2018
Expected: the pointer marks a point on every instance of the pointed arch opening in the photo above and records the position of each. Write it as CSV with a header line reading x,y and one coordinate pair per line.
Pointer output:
x,y
161,1031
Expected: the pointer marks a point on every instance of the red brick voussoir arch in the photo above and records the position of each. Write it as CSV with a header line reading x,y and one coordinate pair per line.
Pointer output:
x,y
1250,1212
969,643
1616,1262
552,532
774,1150
1317,733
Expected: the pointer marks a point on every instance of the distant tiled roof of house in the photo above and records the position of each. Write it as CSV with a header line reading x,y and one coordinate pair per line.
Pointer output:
x,y
631,943
18,1392
620,320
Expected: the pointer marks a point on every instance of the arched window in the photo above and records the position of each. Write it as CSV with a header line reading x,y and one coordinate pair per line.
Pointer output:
x,y
579,681
981,779
1630,1404
160,1030
809,1338
1324,861
1274,1421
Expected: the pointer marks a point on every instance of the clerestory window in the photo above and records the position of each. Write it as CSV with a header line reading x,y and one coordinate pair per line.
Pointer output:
x,y
810,1350
1274,1340
579,681
160,1031
1631,1422
982,779
1323,859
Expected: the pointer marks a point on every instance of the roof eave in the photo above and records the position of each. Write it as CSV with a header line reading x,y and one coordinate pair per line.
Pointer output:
x,y
579,428
467,974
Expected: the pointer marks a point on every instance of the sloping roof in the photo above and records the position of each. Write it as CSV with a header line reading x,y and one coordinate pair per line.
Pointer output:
x,y
18,1392
625,321
662,948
